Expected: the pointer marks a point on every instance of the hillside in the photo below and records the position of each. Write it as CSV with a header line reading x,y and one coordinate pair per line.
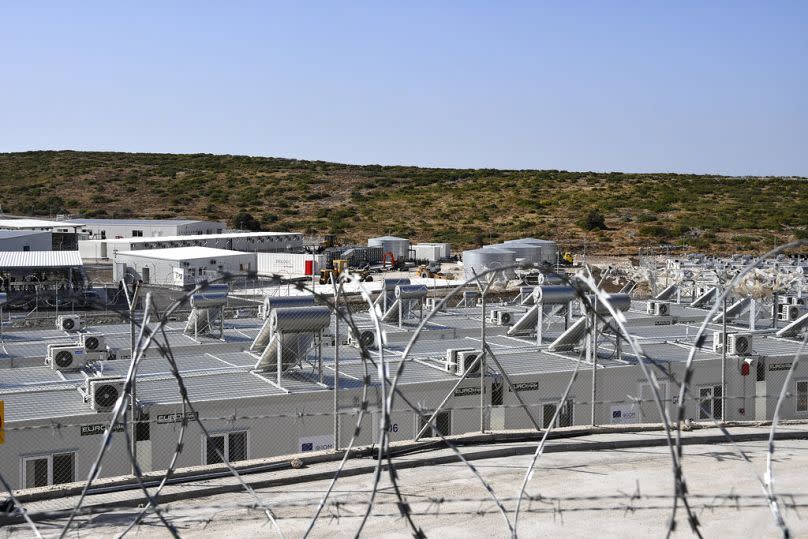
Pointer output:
x,y
464,207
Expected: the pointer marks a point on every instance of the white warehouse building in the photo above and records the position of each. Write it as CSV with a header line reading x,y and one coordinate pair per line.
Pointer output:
x,y
251,242
179,266
145,228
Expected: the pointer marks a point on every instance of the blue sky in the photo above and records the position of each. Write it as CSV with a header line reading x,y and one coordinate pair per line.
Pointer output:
x,y
711,87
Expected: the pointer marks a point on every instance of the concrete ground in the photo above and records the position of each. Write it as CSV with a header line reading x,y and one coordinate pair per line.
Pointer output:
x,y
621,492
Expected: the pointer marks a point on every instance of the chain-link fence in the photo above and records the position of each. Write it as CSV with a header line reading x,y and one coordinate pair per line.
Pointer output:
x,y
226,382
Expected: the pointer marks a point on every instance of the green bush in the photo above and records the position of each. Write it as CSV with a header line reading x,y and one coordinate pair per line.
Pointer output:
x,y
245,221
593,220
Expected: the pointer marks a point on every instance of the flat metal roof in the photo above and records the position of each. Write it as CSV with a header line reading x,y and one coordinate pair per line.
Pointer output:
x,y
197,237
36,223
10,234
48,403
134,222
214,370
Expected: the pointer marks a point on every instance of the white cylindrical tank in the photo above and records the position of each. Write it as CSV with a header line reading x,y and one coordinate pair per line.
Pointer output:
x,y
530,253
400,247
488,258
549,248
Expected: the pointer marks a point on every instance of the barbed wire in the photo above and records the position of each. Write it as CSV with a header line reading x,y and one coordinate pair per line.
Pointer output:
x,y
387,390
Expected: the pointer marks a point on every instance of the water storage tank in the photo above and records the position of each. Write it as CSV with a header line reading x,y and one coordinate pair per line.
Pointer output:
x,y
530,253
487,258
400,247
549,248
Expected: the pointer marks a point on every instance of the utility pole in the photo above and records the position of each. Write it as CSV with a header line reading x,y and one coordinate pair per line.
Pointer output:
x,y
724,359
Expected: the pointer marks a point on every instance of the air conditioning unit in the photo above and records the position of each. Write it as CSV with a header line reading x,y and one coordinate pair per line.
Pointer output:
x,y
367,338
739,344
432,303
93,342
465,360
657,308
66,357
450,363
718,341
451,353
104,393
503,318
68,322
788,313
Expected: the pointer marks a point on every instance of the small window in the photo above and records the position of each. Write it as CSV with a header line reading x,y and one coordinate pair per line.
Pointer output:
x,y
55,469
36,472
564,417
64,467
761,370
142,429
443,424
802,396
26,248
231,445
710,402
212,262
497,394
137,233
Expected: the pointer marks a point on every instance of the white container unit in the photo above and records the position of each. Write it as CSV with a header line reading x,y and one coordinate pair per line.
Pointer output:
x,y
290,264
432,251
400,247
180,266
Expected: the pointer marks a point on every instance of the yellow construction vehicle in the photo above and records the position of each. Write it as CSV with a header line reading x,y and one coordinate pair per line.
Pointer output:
x,y
338,267
567,259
